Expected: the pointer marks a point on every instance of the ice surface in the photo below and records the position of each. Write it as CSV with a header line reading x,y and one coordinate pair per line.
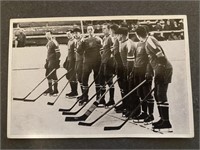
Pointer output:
x,y
37,119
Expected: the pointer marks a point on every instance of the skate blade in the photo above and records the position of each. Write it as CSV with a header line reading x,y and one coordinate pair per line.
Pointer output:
x,y
107,107
81,103
71,97
164,130
138,121
148,123
101,106
54,95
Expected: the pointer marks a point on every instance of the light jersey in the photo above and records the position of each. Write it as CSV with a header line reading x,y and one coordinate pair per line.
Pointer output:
x,y
141,57
126,50
53,51
107,45
71,49
78,45
153,49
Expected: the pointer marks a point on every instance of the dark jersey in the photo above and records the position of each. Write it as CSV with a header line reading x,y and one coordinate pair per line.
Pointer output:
x,y
53,50
126,51
91,49
71,50
141,57
115,47
79,46
107,44
154,50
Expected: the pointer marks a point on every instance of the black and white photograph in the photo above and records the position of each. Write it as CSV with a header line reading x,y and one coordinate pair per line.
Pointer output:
x,y
100,77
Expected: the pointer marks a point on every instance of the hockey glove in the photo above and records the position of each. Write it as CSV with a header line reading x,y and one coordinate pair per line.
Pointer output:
x,y
148,77
159,73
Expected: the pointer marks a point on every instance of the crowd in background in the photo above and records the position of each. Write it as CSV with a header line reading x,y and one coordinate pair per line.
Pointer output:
x,y
162,30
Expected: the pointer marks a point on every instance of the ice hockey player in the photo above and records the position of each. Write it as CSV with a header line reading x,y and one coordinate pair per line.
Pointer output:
x,y
79,58
69,65
143,70
125,49
163,75
52,62
91,62
107,66
119,70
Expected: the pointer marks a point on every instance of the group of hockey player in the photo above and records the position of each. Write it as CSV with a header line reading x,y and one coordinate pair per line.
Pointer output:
x,y
115,55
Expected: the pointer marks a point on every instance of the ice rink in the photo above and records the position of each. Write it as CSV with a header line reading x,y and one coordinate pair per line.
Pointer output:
x,y
37,119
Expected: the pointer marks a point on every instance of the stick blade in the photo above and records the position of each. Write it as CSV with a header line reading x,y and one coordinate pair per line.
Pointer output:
x,y
61,109
85,123
50,103
29,100
18,99
69,113
112,128
80,118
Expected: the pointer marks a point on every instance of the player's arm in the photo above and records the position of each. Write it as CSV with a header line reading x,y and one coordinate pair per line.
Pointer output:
x,y
161,60
57,52
81,47
154,46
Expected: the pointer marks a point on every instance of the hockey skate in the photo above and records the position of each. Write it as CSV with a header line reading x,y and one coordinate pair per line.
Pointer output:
x,y
165,125
54,93
110,103
149,120
48,91
140,118
72,95
82,101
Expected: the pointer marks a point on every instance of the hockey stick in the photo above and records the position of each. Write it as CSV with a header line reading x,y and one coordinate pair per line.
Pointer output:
x,y
91,109
52,103
76,112
91,123
120,126
33,100
22,99
61,109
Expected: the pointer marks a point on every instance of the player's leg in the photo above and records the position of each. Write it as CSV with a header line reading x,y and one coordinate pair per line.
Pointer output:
x,y
79,68
150,103
122,82
85,77
109,73
55,78
99,81
49,90
73,80
163,106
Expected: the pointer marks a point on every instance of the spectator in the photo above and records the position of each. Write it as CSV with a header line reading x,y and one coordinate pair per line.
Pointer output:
x,y
175,26
149,26
181,36
180,25
98,29
158,26
172,36
20,40
159,36
167,26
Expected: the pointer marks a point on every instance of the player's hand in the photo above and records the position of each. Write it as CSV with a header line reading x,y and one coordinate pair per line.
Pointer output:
x,y
148,77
